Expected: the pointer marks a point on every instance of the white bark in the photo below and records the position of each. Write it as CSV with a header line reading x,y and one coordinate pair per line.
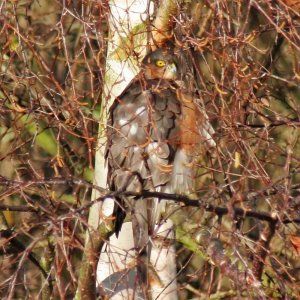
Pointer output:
x,y
116,256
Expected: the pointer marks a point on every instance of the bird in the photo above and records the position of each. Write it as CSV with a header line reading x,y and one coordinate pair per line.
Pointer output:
x,y
154,131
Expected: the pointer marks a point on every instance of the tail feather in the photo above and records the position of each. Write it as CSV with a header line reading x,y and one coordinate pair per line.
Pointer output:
x,y
120,214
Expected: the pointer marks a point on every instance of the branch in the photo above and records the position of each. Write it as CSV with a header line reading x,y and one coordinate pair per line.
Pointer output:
x,y
202,202
163,21
186,201
20,208
19,247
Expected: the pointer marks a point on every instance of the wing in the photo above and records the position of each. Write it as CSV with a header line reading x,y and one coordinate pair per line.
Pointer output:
x,y
154,134
143,137
196,136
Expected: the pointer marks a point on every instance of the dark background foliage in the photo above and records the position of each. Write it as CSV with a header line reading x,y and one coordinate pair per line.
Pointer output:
x,y
240,58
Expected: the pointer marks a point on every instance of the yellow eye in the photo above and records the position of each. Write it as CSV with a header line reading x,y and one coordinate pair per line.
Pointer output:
x,y
160,63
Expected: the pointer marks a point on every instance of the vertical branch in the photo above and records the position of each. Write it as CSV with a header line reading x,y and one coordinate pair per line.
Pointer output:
x,y
262,248
120,69
163,21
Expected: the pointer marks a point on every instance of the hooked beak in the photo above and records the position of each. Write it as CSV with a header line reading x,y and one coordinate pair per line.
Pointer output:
x,y
170,72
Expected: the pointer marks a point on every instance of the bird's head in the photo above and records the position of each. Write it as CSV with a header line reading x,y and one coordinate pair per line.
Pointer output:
x,y
160,64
